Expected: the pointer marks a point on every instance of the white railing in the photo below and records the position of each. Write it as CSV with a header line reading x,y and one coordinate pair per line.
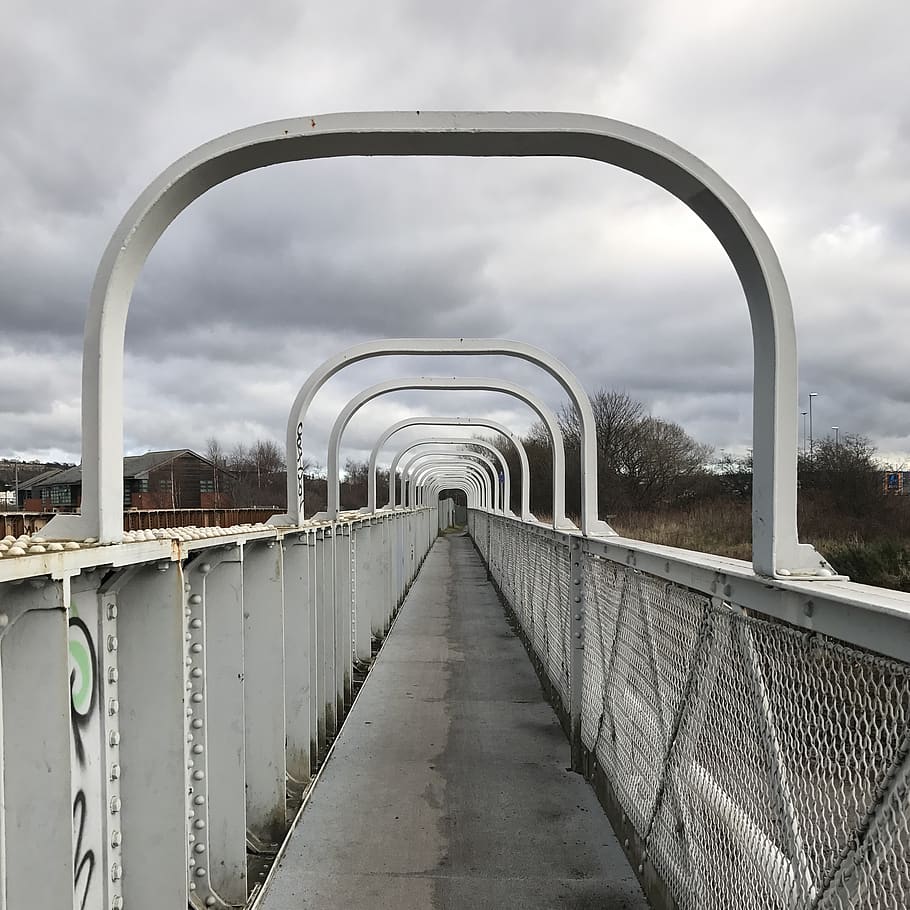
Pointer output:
x,y
166,700
750,739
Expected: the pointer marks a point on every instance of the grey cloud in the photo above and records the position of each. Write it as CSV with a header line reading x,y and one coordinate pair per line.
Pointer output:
x,y
798,107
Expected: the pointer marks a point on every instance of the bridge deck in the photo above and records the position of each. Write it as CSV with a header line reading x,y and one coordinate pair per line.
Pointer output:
x,y
448,786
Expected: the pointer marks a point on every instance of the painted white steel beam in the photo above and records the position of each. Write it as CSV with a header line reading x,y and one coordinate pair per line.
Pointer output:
x,y
479,422
776,550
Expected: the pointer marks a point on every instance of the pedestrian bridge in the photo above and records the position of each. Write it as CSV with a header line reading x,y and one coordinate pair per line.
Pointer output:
x,y
379,708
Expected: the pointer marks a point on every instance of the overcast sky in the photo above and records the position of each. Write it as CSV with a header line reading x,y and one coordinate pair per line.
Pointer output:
x,y
802,106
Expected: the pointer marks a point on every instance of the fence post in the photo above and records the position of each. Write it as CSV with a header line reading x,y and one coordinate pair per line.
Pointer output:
x,y
577,648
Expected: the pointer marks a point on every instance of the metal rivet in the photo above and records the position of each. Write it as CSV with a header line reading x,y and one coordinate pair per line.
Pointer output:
x,y
113,674
199,823
199,848
112,642
195,599
116,902
113,706
197,749
205,568
115,772
114,738
199,800
196,672
200,872
578,598
187,636
116,838
195,623
187,587
578,617
197,697
210,901
196,648
578,634
116,872
112,611
115,805
198,775
191,839
197,723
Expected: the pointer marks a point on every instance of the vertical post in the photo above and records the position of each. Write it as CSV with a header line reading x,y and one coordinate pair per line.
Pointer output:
x,y
322,616
155,737
317,731
577,653
330,658
263,689
38,804
298,610
217,706
343,631
364,582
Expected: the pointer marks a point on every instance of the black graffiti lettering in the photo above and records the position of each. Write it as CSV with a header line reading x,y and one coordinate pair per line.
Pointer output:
x,y
83,862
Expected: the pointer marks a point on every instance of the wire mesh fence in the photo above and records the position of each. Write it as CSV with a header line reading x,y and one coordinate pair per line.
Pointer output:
x,y
762,766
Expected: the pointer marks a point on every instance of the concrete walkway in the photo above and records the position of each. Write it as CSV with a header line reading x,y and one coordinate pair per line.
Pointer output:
x,y
449,787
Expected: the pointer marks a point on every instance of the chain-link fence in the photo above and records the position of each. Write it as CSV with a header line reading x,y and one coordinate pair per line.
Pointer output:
x,y
761,765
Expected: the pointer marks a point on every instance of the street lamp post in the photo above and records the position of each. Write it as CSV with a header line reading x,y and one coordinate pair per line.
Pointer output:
x,y
836,437
805,437
811,437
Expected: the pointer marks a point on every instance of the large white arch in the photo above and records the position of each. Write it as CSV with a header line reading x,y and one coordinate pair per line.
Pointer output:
x,y
460,384
483,423
774,425
447,450
460,441
449,346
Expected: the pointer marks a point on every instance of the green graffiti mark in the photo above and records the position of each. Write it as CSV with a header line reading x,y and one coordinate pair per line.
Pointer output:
x,y
80,656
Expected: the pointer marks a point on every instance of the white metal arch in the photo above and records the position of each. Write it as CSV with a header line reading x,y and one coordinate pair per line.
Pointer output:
x,y
460,384
481,422
455,485
446,450
510,134
449,346
454,440
469,470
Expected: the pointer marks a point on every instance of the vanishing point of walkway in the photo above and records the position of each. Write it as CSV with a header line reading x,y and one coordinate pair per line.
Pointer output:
x,y
449,784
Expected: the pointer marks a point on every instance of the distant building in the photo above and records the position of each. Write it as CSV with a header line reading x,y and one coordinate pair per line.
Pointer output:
x,y
174,479
897,483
